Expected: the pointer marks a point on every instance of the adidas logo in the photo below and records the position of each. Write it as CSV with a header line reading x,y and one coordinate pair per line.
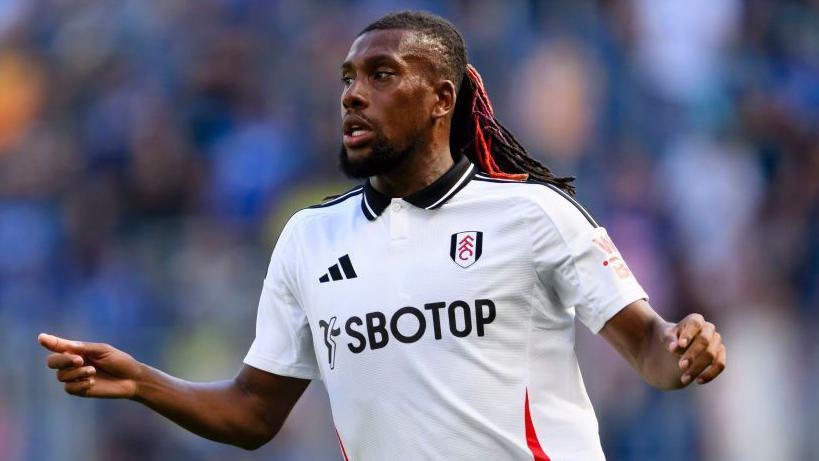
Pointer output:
x,y
334,273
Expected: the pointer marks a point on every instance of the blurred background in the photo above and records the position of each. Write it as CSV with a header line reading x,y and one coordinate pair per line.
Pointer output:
x,y
150,152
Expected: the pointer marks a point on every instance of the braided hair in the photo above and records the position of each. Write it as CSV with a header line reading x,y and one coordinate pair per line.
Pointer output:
x,y
475,131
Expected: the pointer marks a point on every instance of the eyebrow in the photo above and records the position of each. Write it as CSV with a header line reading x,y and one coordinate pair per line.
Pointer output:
x,y
372,61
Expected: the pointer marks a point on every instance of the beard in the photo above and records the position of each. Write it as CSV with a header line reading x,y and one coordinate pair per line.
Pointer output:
x,y
383,158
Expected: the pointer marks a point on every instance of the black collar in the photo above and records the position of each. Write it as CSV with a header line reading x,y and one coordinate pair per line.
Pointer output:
x,y
373,203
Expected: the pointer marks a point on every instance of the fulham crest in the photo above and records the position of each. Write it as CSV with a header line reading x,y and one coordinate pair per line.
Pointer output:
x,y
465,248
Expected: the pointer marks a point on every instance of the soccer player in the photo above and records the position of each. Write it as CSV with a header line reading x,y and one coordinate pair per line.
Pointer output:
x,y
437,300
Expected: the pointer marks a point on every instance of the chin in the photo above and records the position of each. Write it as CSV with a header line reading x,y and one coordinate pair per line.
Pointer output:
x,y
371,160
358,154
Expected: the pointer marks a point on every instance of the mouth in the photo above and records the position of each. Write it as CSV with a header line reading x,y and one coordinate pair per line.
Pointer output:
x,y
357,132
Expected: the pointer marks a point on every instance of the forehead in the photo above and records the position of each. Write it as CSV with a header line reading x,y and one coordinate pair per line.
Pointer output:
x,y
399,44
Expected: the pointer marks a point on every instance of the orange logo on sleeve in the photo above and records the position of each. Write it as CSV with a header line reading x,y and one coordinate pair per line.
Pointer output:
x,y
614,258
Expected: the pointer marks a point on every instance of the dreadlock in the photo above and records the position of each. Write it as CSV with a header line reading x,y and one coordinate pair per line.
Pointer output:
x,y
475,132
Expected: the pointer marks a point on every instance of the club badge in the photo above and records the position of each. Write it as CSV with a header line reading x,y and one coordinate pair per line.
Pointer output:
x,y
465,247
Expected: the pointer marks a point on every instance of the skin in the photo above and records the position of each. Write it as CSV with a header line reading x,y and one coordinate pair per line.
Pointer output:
x,y
246,411
389,79
668,356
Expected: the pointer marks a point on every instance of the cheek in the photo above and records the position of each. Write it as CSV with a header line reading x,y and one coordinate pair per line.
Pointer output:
x,y
403,113
408,114
393,120
402,130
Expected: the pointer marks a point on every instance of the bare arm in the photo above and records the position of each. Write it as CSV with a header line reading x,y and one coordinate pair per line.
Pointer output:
x,y
666,355
246,411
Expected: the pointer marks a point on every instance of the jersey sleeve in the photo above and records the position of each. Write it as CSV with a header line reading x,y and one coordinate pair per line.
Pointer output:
x,y
284,342
578,260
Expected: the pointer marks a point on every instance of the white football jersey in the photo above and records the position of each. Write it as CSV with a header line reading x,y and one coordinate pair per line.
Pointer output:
x,y
442,324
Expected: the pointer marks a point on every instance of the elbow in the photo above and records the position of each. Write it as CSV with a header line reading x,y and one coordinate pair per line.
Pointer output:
x,y
251,445
255,441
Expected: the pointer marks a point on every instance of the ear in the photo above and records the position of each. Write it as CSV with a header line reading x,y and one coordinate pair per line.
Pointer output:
x,y
445,99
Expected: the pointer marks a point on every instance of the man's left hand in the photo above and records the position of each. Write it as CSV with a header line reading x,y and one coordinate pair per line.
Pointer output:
x,y
699,346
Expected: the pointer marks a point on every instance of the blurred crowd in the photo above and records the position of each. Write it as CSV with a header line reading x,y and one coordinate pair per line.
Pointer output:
x,y
150,152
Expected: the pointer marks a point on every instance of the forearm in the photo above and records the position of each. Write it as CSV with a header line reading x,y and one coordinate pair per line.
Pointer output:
x,y
667,356
220,411
639,334
656,364
246,411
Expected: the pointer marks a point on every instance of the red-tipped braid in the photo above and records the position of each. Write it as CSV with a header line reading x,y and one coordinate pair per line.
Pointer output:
x,y
482,110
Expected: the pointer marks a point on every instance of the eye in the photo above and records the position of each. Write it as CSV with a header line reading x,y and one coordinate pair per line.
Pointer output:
x,y
381,75
346,81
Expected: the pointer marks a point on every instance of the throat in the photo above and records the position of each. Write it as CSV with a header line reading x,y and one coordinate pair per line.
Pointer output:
x,y
418,172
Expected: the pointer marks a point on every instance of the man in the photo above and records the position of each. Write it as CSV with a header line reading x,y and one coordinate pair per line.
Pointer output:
x,y
436,301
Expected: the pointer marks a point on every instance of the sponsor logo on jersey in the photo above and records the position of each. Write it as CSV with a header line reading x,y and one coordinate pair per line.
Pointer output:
x,y
409,324
613,258
465,247
330,331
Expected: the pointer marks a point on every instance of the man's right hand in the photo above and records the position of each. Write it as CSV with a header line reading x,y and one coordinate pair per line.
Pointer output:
x,y
245,411
92,369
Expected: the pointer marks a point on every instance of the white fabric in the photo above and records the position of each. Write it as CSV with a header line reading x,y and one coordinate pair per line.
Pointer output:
x,y
284,343
447,392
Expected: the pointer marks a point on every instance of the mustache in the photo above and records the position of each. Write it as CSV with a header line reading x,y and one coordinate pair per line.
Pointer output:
x,y
373,123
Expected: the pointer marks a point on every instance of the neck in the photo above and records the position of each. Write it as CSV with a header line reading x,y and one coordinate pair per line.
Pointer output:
x,y
419,170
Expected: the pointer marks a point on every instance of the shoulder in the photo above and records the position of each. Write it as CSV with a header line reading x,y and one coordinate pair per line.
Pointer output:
x,y
334,205
337,199
540,199
329,209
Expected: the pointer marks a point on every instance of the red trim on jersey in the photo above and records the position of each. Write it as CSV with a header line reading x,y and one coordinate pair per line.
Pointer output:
x,y
531,435
343,451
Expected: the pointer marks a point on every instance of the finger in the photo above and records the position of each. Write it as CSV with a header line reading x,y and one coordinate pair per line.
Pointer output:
x,y
670,338
698,345
715,369
75,374
79,388
57,344
702,360
93,350
63,360
688,328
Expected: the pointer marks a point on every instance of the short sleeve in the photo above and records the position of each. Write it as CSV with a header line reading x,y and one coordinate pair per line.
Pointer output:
x,y
284,342
578,259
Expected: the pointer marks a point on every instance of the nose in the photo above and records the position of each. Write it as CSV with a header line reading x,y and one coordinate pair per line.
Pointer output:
x,y
354,96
